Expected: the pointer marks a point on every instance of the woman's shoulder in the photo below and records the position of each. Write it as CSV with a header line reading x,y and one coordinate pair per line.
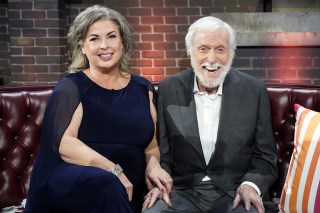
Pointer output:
x,y
74,81
140,79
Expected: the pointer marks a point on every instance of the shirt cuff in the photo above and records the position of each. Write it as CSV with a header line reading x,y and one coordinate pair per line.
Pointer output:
x,y
253,185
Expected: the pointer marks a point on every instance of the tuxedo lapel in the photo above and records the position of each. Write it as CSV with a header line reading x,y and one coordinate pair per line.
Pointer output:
x,y
188,116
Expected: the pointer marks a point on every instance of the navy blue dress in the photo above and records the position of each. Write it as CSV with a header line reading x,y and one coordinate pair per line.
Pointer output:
x,y
116,123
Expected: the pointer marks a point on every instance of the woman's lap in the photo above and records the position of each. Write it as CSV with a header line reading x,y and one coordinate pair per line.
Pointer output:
x,y
75,188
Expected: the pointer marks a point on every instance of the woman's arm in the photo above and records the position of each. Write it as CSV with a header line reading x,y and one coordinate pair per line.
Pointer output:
x,y
155,175
72,150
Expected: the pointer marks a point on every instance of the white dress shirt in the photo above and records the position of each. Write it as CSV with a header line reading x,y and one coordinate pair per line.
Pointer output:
x,y
208,116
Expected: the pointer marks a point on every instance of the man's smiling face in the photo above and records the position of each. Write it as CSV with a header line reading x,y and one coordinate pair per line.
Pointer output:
x,y
210,57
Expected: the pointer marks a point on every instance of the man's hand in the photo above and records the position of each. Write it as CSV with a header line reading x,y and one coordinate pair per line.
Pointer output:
x,y
153,195
249,196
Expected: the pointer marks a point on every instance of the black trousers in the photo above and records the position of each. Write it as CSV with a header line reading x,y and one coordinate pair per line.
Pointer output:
x,y
202,198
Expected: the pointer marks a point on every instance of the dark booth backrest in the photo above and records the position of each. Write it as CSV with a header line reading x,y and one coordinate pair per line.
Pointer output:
x,y
21,114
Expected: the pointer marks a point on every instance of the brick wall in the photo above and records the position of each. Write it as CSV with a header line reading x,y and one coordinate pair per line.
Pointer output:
x,y
37,41
38,51
4,46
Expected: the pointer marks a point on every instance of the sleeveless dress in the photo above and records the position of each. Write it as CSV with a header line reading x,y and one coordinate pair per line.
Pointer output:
x,y
115,123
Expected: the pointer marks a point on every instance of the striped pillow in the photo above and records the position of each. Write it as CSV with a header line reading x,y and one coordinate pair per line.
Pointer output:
x,y
301,191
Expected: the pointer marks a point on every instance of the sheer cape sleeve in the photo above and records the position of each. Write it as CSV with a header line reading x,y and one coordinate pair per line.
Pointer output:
x,y
64,100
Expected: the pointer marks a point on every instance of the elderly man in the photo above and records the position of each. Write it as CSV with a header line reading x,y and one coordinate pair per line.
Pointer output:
x,y
215,132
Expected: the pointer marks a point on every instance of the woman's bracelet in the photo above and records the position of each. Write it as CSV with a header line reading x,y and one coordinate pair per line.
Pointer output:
x,y
116,170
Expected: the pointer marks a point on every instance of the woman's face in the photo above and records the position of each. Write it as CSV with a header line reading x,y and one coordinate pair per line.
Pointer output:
x,y
103,45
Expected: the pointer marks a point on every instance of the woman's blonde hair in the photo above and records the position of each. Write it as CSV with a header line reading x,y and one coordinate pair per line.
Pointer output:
x,y
79,29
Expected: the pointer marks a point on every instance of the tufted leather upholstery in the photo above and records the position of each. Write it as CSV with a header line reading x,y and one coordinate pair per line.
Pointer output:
x,y
282,99
21,114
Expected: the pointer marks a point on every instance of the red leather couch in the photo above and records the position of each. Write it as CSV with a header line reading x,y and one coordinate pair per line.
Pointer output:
x,y
21,114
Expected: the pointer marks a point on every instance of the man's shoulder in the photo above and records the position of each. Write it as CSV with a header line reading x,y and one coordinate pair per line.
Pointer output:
x,y
179,77
246,79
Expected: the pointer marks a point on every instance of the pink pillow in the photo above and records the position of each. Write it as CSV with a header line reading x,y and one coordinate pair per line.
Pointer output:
x,y
301,192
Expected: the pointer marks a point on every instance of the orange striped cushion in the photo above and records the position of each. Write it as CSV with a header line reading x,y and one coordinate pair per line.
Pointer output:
x,y
301,192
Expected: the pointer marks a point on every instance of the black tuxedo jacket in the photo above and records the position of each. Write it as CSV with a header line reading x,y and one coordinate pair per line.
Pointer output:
x,y
245,149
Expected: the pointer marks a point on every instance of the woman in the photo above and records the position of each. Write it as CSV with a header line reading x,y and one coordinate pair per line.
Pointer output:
x,y
98,140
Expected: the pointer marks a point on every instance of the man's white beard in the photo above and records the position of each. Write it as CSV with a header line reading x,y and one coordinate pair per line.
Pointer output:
x,y
215,83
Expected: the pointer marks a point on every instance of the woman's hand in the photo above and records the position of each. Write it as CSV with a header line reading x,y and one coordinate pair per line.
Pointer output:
x,y
155,175
153,195
127,184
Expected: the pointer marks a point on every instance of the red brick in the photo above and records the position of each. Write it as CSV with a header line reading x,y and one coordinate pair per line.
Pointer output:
x,y
16,68
183,28
164,11
48,41
152,3
224,3
56,32
32,14
35,69
176,54
181,46
184,62
142,63
22,60
57,50
175,36
49,59
142,28
136,71
45,5
282,74
172,70
164,62
136,54
133,20
152,37
176,19
208,11
127,3
45,23
203,3
55,14
16,50
164,46
18,23
164,28
143,46
139,11
176,3
158,78
48,77
152,20
193,19
34,33
152,71
34,50
20,5
22,77
188,11
152,54
58,68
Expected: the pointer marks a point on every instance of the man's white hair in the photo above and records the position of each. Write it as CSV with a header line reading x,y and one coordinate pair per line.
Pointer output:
x,y
211,24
